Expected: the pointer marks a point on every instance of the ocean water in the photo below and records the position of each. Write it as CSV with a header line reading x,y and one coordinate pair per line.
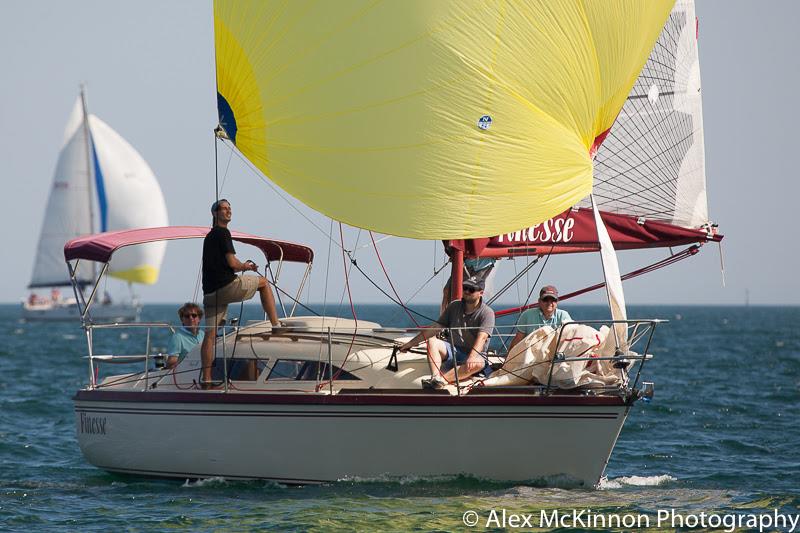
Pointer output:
x,y
721,437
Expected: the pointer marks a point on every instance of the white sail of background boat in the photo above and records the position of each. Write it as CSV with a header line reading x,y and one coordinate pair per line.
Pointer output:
x,y
433,120
101,183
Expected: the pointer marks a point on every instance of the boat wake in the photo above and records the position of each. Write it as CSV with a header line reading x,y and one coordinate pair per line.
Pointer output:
x,y
465,480
204,482
635,481
219,481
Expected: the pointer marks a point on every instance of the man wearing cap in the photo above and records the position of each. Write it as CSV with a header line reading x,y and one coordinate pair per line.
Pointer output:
x,y
221,286
480,268
546,314
470,322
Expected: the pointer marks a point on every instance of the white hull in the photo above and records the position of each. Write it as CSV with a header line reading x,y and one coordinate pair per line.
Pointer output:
x,y
302,438
59,312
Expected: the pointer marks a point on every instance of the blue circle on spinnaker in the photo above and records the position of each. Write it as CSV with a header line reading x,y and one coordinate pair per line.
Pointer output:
x,y
226,118
485,122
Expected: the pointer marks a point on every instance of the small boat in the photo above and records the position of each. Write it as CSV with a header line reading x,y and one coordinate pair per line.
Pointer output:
x,y
101,183
411,120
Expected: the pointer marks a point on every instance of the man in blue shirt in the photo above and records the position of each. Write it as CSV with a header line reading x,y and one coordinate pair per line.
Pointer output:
x,y
547,314
187,336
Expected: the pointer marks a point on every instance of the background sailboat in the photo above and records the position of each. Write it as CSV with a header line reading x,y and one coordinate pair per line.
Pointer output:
x,y
101,183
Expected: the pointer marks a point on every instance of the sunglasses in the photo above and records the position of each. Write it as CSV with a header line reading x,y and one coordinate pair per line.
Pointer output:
x,y
192,315
470,289
548,299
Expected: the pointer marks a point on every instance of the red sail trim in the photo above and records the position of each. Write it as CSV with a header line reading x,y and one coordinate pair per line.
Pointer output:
x,y
597,142
573,231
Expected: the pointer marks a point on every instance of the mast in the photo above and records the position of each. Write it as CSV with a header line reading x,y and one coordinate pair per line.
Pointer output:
x,y
89,159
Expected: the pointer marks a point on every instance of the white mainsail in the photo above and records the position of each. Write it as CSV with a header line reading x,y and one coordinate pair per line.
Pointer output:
x,y
652,163
129,197
68,214
99,173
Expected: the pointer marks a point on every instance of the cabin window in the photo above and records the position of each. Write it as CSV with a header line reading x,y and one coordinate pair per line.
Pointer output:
x,y
294,370
239,369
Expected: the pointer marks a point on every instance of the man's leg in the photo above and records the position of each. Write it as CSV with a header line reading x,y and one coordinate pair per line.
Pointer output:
x,y
470,367
215,313
437,352
207,354
267,301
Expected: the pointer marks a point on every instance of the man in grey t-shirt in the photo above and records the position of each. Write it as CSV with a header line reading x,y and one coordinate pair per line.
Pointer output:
x,y
470,322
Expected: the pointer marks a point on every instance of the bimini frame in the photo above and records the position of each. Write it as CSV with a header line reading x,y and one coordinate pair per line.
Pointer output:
x,y
102,246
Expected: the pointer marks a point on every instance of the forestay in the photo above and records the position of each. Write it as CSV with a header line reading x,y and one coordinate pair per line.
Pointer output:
x,y
423,119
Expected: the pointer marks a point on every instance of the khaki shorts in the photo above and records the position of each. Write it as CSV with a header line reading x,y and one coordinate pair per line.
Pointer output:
x,y
215,304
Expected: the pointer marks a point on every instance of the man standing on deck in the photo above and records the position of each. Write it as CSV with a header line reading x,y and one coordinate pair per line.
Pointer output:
x,y
471,323
221,286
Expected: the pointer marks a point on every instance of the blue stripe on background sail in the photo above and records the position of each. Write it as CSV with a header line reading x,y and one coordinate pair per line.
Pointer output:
x,y
226,118
101,189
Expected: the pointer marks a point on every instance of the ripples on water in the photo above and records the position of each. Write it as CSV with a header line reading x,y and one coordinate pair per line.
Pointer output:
x,y
720,436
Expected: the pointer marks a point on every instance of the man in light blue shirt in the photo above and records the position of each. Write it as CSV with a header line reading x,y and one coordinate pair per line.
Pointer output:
x,y
187,336
547,314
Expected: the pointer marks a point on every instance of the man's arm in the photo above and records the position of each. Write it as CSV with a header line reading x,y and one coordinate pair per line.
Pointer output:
x,y
518,337
238,266
425,334
477,348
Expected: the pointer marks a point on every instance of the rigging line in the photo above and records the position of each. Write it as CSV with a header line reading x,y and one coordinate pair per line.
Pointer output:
x,y
197,281
280,194
512,282
683,254
436,272
325,294
355,317
424,284
294,300
346,269
374,241
227,168
389,296
533,287
383,267
216,168
213,223
268,268
327,275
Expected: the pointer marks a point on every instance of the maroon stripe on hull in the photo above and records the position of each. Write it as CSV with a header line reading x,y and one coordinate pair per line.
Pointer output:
x,y
318,399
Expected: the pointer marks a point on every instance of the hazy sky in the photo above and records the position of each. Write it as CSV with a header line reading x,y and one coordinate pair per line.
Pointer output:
x,y
150,73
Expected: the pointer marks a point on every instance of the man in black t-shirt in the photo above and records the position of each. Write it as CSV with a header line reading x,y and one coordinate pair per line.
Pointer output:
x,y
221,285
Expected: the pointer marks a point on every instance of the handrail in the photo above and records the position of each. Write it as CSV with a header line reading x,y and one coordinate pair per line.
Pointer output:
x,y
640,333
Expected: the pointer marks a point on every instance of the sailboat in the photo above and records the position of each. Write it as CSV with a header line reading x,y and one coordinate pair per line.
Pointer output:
x,y
450,121
101,183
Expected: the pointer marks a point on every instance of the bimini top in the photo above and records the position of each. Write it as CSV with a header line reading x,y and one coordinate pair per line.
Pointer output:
x,y
101,246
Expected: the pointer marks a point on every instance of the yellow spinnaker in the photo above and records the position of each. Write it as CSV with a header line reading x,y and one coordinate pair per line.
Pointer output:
x,y
369,111
146,274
